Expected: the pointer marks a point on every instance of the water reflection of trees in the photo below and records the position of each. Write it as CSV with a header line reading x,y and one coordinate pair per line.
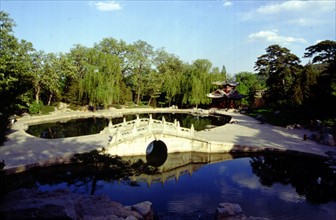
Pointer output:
x,y
83,173
71,128
311,176
198,121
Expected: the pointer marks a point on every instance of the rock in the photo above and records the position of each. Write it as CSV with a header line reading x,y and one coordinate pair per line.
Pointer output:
x,y
328,139
100,207
230,211
145,209
61,204
256,218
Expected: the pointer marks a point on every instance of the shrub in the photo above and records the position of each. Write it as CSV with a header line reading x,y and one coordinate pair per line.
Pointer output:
x,y
46,109
35,107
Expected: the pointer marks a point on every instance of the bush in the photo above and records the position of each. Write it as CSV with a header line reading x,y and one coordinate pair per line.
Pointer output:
x,y
35,107
40,108
46,109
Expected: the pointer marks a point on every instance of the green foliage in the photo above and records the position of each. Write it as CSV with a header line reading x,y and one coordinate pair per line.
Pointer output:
x,y
280,67
35,107
114,73
40,108
249,84
101,84
46,109
323,52
199,73
15,67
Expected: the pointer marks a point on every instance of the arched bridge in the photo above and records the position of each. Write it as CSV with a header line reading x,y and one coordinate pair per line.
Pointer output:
x,y
142,135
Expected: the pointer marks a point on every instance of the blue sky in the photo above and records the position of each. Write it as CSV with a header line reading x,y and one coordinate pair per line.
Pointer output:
x,y
231,33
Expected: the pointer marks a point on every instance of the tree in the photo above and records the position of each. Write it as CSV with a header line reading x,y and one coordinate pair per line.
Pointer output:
x,y
118,48
100,84
74,69
324,56
15,67
140,59
153,86
37,75
322,52
170,68
280,67
223,72
200,82
249,84
53,70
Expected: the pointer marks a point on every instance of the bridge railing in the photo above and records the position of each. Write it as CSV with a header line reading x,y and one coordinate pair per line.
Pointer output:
x,y
142,126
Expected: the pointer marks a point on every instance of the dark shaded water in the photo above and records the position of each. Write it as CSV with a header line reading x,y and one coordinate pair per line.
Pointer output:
x,y
277,186
80,127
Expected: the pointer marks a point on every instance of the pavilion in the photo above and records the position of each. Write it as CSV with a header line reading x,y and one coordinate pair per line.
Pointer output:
x,y
226,96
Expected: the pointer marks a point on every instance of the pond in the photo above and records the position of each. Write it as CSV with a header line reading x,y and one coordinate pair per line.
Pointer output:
x,y
87,126
272,185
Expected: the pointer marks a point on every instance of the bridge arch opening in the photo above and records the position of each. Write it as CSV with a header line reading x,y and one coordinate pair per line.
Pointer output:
x,y
156,153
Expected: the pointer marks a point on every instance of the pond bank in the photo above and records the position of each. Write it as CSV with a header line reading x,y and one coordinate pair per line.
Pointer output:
x,y
61,204
244,133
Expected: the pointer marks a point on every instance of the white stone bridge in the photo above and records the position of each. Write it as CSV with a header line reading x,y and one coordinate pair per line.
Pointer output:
x,y
140,136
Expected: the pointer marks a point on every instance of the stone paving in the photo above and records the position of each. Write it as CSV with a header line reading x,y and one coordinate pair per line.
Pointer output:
x,y
22,150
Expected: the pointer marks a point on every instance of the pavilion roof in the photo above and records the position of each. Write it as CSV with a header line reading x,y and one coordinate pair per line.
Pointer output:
x,y
223,83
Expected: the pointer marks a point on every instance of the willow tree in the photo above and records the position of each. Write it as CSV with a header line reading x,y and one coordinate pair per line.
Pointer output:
x,y
100,85
199,80
74,68
171,69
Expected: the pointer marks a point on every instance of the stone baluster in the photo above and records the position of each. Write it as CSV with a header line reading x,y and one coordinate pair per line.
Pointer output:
x,y
124,121
192,130
110,126
134,130
137,122
117,135
163,123
150,123
178,127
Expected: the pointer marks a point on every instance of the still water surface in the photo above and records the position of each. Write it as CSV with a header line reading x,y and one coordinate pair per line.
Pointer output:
x,y
87,126
277,186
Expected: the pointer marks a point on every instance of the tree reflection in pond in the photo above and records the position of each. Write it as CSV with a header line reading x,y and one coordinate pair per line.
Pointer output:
x,y
310,176
275,185
84,172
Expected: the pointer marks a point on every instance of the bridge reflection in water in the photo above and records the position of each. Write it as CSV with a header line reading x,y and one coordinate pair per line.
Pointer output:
x,y
176,165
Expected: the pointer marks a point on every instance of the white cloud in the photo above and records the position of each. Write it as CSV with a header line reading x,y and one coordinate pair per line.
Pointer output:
x,y
298,9
107,5
291,196
227,3
272,36
281,7
244,180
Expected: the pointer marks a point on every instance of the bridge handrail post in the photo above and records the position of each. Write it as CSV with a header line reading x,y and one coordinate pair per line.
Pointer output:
x,y
116,136
150,119
150,123
137,122
178,127
134,130
192,130
163,123
110,126
124,121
